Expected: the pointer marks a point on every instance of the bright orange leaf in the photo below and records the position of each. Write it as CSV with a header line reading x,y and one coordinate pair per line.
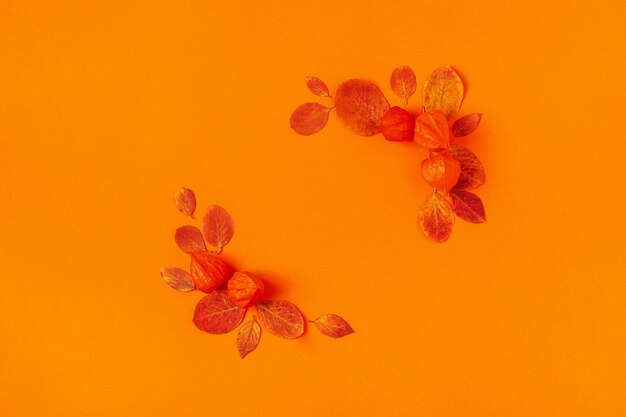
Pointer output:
x,y
397,125
403,82
468,206
432,131
245,289
216,314
436,217
466,124
441,171
472,171
248,337
208,271
309,118
360,105
317,86
443,91
178,279
332,325
189,239
185,201
281,318
218,227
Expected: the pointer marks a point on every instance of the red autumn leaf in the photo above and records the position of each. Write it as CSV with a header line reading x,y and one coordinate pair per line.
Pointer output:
x,y
466,125
468,206
309,118
443,91
218,228
185,201
432,131
244,289
332,325
248,337
216,314
189,239
436,217
360,105
472,171
281,318
178,279
317,86
208,271
441,171
403,82
397,125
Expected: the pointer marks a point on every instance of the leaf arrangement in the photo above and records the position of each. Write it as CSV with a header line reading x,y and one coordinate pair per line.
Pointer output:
x,y
231,293
450,169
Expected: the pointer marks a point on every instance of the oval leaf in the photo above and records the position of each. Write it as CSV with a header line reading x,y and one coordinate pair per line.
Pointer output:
x,y
397,125
309,118
248,337
432,131
281,318
468,206
332,325
216,314
443,91
189,239
218,228
436,217
317,86
466,124
185,201
360,105
178,279
208,271
441,171
472,172
403,82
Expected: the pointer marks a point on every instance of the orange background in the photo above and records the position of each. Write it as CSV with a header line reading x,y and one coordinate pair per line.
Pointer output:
x,y
106,108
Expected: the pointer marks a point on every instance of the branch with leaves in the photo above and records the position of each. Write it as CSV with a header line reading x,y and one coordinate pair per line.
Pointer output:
x,y
450,169
230,293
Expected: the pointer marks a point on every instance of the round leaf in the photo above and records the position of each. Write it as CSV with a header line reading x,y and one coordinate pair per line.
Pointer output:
x,y
443,91
436,217
216,314
218,227
360,105
403,82
248,337
185,201
178,279
189,239
281,318
472,172
309,118
332,325
468,206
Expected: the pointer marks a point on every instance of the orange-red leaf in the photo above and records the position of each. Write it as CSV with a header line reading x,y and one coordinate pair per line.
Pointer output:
x,y
403,82
360,105
281,318
432,131
208,271
468,206
441,171
189,239
219,227
332,325
397,125
245,289
317,86
216,314
309,118
443,91
436,217
185,201
248,337
466,124
178,279
472,171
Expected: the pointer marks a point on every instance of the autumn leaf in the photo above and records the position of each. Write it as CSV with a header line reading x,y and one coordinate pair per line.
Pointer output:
x,y
436,217
185,201
403,82
332,325
443,91
472,172
468,206
248,337
218,228
466,124
281,318
178,279
397,125
317,86
360,105
189,239
432,131
216,314
309,118
208,271
244,289
441,171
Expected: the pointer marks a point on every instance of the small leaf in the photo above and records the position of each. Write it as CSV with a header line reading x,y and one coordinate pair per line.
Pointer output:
x,y
468,206
178,279
403,82
281,318
472,172
436,217
441,171
208,271
189,239
360,105
332,325
185,201
245,289
397,125
466,125
216,314
309,118
317,86
248,337
432,131
443,91
218,228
